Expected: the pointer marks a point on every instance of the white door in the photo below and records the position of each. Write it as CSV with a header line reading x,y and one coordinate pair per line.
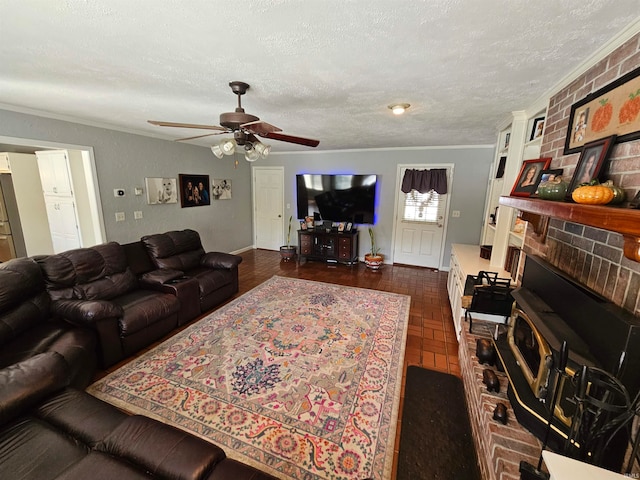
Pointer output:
x,y
268,207
420,223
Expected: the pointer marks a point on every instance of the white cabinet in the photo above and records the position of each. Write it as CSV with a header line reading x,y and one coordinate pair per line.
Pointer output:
x,y
54,173
55,176
5,163
519,139
63,223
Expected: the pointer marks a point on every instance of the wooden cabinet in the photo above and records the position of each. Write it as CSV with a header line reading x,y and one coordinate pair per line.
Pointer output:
x,y
333,247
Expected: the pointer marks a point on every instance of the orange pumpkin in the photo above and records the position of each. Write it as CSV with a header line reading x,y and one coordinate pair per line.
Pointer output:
x,y
592,195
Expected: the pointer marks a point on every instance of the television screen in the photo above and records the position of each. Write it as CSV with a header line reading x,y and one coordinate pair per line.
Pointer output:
x,y
339,198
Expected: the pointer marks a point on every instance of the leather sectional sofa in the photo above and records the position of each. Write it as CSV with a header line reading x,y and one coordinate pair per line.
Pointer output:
x,y
51,432
60,316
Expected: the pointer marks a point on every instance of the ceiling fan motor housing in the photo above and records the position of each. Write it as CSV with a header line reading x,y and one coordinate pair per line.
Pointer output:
x,y
233,120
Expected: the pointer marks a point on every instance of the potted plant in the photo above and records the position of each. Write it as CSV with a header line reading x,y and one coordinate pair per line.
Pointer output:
x,y
374,258
288,251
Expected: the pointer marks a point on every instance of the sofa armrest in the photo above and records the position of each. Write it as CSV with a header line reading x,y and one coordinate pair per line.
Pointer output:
x,y
220,260
24,384
86,312
160,276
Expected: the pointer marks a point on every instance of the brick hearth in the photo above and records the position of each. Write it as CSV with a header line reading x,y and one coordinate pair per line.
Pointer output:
x,y
500,448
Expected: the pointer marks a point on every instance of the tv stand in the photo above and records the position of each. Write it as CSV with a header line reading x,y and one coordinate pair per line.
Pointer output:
x,y
331,247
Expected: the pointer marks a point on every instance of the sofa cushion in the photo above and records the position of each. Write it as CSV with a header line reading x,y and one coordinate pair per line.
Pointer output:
x,y
179,250
80,415
144,307
96,273
31,449
162,449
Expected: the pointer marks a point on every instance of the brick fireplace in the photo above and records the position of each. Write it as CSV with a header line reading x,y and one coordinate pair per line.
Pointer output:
x,y
500,448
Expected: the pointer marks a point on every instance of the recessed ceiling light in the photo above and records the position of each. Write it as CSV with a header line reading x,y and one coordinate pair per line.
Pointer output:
x,y
399,108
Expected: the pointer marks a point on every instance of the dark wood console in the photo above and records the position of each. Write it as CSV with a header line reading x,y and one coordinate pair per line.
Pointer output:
x,y
332,247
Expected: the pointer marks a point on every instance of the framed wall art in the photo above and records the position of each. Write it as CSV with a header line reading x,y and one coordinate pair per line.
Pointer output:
x,y
194,190
526,180
537,128
221,189
611,110
161,190
591,162
545,176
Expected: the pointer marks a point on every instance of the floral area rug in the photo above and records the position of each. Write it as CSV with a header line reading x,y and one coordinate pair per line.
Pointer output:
x,y
300,379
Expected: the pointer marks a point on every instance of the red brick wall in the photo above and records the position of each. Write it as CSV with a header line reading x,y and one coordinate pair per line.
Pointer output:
x,y
593,256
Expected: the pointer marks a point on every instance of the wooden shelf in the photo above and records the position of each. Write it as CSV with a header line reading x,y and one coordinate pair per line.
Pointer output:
x,y
624,221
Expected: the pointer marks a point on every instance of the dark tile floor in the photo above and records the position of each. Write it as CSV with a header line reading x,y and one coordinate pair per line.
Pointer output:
x,y
431,341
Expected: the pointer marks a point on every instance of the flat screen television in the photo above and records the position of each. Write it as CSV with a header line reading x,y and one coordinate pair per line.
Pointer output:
x,y
339,198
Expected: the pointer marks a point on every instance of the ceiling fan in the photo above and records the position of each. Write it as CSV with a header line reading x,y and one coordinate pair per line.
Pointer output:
x,y
244,127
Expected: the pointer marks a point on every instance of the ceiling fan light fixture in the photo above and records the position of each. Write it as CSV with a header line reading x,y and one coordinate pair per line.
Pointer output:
x,y
251,154
228,146
262,149
217,151
399,108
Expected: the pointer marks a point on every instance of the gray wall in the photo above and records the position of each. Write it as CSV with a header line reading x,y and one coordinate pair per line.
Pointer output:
x,y
124,160
468,189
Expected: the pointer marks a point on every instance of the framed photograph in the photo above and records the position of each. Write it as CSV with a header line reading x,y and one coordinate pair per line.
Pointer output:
x,y
611,110
545,176
591,162
501,164
161,190
348,227
525,184
538,127
303,225
341,226
221,189
194,190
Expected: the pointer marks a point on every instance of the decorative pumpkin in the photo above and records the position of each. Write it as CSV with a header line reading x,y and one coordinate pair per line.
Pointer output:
x,y
618,193
592,195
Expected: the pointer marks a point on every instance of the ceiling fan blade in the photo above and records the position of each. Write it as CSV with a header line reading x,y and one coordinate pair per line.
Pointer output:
x,y
259,127
198,136
291,139
185,125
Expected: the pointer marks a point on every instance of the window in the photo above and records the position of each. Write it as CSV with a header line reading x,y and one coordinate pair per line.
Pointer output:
x,y
423,207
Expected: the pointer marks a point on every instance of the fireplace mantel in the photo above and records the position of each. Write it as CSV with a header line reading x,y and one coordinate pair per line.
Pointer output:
x,y
624,221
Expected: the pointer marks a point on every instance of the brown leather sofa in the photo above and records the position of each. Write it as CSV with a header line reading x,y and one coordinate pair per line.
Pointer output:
x,y
28,329
94,287
181,251
49,432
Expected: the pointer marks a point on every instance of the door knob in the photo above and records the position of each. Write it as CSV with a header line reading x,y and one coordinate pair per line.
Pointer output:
x,y
279,216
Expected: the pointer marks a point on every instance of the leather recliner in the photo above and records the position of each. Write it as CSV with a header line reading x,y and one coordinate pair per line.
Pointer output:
x,y
182,251
95,287
27,328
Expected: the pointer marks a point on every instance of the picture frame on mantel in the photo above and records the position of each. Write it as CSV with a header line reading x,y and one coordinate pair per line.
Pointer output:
x,y
591,161
611,110
526,181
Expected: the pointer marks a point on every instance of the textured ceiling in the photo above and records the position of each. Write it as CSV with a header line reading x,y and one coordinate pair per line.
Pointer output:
x,y
320,69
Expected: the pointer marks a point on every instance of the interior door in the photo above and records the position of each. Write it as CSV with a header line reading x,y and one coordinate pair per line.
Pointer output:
x,y
420,224
268,207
